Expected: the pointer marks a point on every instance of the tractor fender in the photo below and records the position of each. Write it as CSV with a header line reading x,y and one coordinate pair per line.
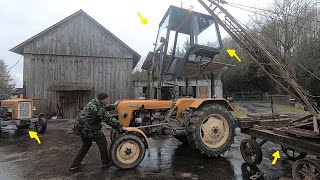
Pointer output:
x,y
39,115
145,139
196,104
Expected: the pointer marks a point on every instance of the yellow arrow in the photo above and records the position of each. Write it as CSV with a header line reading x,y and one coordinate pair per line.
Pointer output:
x,y
276,155
232,53
33,135
143,20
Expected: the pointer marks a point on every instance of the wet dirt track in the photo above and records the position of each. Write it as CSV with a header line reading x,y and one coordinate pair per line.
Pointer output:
x,y
23,158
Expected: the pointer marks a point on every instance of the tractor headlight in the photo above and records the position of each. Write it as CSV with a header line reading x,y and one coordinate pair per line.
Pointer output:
x,y
125,115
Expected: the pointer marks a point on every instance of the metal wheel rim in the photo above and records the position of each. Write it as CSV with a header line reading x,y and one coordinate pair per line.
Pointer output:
x,y
250,152
214,131
122,150
292,152
308,171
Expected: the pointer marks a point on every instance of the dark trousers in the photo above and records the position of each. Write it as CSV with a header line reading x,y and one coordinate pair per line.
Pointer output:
x,y
86,144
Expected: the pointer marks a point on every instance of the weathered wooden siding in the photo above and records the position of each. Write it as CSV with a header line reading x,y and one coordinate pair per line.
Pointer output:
x,y
113,75
80,36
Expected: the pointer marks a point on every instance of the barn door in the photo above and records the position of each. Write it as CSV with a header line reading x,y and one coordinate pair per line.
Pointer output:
x,y
69,102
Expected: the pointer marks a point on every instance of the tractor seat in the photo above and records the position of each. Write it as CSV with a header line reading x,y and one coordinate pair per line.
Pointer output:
x,y
200,50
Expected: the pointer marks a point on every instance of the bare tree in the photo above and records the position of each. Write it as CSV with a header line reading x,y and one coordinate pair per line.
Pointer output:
x,y
6,80
284,25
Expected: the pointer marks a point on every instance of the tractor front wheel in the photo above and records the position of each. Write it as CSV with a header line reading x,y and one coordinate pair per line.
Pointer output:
x,y
211,130
127,150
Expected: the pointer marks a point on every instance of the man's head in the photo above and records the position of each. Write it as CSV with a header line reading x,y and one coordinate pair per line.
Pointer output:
x,y
103,97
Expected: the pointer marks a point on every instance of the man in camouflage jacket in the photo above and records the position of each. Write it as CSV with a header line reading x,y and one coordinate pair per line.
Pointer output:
x,y
88,126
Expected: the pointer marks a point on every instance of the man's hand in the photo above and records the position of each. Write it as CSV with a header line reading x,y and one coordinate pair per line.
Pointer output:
x,y
117,102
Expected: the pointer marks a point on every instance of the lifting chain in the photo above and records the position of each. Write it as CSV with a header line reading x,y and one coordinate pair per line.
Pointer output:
x,y
256,176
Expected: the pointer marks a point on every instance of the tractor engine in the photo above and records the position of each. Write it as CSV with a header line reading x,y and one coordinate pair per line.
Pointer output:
x,y
152,122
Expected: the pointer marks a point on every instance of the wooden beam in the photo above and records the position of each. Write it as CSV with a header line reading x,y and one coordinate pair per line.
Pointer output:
x,y
212,84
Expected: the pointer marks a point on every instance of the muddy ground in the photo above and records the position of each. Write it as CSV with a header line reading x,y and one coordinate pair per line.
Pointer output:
x,y
23,158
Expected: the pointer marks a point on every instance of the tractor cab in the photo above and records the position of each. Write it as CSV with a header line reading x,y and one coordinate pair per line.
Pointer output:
x,y
186,37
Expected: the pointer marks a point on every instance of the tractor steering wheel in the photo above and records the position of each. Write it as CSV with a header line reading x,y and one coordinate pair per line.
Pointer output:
x,y
175,94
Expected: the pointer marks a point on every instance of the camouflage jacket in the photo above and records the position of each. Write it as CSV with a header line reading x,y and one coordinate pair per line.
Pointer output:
x,y
88,121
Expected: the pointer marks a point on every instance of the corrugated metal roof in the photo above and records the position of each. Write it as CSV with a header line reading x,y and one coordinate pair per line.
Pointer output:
x,y
71,87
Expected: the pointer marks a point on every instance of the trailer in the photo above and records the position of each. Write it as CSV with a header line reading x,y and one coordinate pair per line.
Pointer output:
x,y
296,143
297,137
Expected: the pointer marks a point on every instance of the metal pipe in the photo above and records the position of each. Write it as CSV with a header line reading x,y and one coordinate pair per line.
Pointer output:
x,y
140,127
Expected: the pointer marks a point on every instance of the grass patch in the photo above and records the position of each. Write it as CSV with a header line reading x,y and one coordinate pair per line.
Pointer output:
x,y
239,112
291,109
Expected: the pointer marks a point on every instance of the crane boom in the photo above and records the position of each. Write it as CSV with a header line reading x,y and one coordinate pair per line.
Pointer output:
x,y
270,64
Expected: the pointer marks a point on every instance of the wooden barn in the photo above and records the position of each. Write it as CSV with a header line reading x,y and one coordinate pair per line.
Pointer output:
x,y
67,64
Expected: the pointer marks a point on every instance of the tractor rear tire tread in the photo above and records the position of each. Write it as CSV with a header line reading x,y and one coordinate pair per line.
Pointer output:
x,y
42,121
196,121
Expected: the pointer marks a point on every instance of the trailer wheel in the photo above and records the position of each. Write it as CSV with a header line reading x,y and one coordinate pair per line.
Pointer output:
x,y
41,125
251,151
249,170
211,130
127,151
293,154
306,169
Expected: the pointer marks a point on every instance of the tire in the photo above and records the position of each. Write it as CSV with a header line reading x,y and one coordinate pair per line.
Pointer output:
x,y
182,138
24,126
306,166
134,149
113,135
251,151
296,155
249,170
41,125
218,135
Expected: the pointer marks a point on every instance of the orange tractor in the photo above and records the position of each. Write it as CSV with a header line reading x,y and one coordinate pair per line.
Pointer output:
x,y
204,123
19,112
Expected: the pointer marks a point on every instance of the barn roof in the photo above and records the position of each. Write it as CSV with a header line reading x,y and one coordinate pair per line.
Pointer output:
x,y
19,49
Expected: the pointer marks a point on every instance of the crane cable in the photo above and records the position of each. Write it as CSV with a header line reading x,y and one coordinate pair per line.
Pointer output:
x,y
266,10
269,16
273,47
15,64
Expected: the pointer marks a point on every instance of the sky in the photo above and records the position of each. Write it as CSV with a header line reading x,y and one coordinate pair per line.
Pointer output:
x,y
22,19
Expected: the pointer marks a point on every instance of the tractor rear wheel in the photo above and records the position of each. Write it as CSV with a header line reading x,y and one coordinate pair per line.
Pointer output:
x,y
41,125
211,130
127,150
